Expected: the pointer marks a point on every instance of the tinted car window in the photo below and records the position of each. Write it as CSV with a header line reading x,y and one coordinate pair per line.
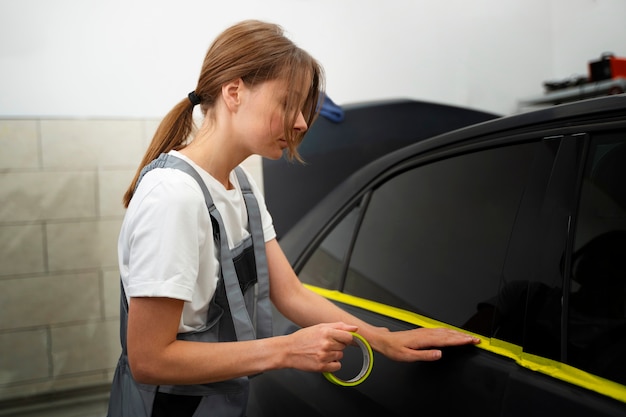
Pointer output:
x,y
597,300
325,268
530,301
434,239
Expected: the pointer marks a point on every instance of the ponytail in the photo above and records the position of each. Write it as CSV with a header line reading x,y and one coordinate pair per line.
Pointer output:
x,y
172,134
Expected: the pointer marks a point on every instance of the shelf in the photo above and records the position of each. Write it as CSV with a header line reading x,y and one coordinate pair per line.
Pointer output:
x,y
581,92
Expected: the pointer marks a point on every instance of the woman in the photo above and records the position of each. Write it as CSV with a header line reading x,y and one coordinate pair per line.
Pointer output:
x,y
199,260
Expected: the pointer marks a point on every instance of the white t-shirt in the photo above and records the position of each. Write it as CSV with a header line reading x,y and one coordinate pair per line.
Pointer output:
x,y
166,246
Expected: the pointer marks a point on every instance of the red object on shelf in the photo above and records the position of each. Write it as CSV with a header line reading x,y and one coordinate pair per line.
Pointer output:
x,y
607,68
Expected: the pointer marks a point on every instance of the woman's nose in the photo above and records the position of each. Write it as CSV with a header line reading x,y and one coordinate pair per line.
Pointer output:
x,y
300,124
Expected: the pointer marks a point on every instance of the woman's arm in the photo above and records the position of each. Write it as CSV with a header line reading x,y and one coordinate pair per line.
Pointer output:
x,y
307,308
157,357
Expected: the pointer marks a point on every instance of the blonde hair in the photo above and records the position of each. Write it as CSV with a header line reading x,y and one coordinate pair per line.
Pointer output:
x,y
256,52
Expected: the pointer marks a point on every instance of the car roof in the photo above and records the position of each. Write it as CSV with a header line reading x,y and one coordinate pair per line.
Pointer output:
x,y
560,118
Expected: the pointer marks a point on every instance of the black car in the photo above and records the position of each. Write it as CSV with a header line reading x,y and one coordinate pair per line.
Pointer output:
x,y
512,229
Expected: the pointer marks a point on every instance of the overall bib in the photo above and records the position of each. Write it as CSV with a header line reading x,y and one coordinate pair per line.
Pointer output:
x,y
241,299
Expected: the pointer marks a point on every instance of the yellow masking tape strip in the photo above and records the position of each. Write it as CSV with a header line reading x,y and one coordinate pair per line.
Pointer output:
x,y
546,366
368,363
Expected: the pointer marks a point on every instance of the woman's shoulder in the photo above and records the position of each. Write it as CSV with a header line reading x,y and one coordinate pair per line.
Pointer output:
x,y
168,185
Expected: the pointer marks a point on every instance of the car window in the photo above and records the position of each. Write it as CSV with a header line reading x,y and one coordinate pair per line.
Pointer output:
x,y
325,268
434,239
597,299
529,306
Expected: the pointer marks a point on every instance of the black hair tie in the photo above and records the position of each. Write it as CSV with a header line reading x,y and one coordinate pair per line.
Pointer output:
x,y
193,97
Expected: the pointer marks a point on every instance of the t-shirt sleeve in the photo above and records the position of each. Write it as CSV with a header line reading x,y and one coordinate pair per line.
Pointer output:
x,y
169,229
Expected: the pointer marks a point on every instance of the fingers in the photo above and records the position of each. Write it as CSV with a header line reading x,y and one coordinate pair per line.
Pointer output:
x,y
445,337
449,337
343,333
425,355
421,344
320,348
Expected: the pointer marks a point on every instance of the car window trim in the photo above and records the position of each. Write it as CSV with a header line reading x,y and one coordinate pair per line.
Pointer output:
x,y
345,267
583,140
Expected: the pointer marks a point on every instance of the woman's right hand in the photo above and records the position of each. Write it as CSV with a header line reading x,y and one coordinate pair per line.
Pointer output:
x,y
319,348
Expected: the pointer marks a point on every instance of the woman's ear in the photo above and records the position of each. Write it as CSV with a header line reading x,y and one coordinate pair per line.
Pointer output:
x,y
231,94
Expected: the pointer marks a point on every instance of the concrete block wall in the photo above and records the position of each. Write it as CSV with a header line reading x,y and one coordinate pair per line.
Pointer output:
x,y
61,184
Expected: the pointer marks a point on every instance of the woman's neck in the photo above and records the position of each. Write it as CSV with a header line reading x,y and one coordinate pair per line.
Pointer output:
x,y
215,154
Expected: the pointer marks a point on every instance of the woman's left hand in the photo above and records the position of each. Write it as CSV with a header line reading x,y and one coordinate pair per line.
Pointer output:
x,y
420,344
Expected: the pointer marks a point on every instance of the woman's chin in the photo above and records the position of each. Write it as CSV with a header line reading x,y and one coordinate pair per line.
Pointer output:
x,y
274,156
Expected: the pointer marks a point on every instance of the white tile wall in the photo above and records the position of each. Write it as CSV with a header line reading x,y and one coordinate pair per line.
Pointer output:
x,y
48,300
24,356
61,185
112,185
40,195
111,293
91,143
19,141
81,245
99,347
22,249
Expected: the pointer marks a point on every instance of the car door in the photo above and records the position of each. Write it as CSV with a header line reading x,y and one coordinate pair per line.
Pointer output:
x,y
425,246
433,241
539,316
445,239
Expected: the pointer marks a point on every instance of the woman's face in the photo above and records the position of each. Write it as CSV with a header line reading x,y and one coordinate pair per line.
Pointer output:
x,y
262,118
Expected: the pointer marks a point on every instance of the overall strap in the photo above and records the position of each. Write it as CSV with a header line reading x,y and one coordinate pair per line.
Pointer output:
x,y
264,308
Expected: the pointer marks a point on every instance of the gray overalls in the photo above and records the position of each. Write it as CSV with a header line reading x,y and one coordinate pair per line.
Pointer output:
x,y
236,303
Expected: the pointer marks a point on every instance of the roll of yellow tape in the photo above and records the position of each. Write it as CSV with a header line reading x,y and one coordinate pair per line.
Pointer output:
x,y
368,363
